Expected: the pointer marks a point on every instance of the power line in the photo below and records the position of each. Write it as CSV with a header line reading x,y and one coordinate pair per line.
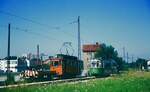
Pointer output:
x,y
31,32
35,22
27,19
76,22
39,34
42,24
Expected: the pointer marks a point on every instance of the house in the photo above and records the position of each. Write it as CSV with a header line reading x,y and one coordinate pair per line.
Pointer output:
x,y
13,64
88,53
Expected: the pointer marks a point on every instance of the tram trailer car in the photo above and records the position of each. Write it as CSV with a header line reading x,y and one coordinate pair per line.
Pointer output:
x,y
96,68
99,68
65,66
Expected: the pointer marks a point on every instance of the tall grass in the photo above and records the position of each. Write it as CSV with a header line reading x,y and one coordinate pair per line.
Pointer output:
x,y
132,81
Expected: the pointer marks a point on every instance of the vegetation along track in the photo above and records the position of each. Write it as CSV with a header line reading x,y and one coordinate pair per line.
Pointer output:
x,y
50,82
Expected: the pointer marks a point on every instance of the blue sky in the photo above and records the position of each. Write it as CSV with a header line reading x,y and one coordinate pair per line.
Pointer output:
x,y
121,23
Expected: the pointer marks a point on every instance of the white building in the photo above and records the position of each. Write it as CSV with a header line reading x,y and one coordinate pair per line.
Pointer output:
x,y
148,65
88,54
13,64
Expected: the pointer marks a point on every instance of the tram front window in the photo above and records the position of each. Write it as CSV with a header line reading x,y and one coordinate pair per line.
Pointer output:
x,y
94,65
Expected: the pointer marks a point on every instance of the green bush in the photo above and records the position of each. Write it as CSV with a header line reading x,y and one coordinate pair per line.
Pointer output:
x,y
10,79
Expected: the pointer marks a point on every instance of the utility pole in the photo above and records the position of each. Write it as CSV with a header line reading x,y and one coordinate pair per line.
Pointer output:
x,y
8,50
79,40
127,57
124,57
132,58
133,64
38,54
8,56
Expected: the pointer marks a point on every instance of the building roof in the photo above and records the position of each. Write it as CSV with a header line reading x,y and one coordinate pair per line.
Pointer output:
x,y
90,47
52,60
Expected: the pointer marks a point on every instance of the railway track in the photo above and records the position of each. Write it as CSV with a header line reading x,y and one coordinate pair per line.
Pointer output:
x,y
50,82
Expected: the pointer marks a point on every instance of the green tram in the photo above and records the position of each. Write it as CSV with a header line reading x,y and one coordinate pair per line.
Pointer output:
x,y
102,68
96,68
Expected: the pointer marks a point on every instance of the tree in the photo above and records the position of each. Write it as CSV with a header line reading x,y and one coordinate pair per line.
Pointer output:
x,y
109,52
106,52
120,63
141,63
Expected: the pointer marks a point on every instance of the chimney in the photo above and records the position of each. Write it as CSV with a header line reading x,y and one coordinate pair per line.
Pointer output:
x,y
97,43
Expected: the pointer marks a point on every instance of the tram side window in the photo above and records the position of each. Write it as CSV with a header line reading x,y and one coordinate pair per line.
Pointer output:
x,y
60,62
55,64
97,64
13,62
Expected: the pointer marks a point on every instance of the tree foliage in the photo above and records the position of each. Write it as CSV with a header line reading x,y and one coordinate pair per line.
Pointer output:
x,y
141,63
108,52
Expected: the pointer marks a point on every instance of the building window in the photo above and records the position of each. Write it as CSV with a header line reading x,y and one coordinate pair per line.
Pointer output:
x,y
87,59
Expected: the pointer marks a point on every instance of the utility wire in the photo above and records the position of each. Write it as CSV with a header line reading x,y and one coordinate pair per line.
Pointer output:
x,y
30,32
29,20
35,22
45,25
75,22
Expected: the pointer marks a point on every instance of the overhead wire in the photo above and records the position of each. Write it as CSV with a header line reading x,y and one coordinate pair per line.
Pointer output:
x,y
31,32
27,19
35,22
42,24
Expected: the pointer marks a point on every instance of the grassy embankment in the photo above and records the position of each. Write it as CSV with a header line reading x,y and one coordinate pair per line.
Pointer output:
x,y
132,81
